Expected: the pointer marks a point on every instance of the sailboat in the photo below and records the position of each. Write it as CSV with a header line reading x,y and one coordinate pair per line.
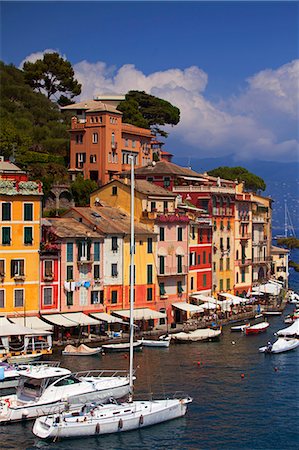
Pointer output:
x,y
95,419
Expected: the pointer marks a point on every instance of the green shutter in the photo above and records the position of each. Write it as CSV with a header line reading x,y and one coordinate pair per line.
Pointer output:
x,y
6,236
28,235
6,211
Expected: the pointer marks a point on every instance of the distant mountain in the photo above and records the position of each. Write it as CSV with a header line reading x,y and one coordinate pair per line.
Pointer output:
x,y
282,180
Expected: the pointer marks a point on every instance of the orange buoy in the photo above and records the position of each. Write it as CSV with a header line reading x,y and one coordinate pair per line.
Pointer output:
x,y
242,375
198,363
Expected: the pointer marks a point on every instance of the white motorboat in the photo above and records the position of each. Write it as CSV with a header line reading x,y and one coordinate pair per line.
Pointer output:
x,y
42,388
10,374
121,347
293,297
272,313
291,331
160,343
112,418
281,345
82,350
240,327
205,334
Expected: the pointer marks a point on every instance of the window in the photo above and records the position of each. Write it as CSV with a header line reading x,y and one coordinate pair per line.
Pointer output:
x,y
48,296
95,138
69,299
180,233
28,211
214,266
198,259
215,225
48,268
162,288
93,158
228,243
69,273
133,143
227,284
28,236
96,250
113,296
162,321
204,258
18,298
69,252
80,160
134,273
221,244
2,299
221,225
180,289
237,278
227,263
166,182
200,235
84,250
114,190
221,264
150,179
79,138
228,225
180,263
114,245
153,207
97,297
161,265
162,233
193,232
96,271
149,294
6,211
210,258
149,245
192,283
2,267
149,274
243,276
6,236
221,285
17,267
114,272
204,280
126,142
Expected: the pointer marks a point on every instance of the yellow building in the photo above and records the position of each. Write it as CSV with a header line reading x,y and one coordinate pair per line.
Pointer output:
x,y
20,210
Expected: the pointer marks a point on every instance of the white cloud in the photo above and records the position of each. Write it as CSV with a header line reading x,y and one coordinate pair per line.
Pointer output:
x,y
37,55
260,122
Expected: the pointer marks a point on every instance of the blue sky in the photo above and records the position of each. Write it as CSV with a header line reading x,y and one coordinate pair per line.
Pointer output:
x,y
231,67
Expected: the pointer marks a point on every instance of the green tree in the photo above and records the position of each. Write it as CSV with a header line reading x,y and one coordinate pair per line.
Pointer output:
x,y
81,190
147,111
251,181
52,74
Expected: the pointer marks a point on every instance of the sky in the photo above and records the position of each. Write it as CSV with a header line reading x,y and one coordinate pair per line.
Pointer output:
x,y
231,67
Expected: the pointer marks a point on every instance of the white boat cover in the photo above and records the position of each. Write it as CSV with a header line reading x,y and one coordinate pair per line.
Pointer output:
x,y
188,307
142,314
32,322
11,329
291,330
106,317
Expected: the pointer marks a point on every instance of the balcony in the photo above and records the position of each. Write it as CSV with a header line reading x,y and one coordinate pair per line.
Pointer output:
x,y
85,260
114,145
48,247
149,214
49,277
245,236
19,278
261,260
204,188
243,262
173,271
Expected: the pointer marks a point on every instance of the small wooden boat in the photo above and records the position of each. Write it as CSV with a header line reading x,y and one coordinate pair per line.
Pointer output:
x,y
240,327
257,328
281,345
82,350
161,343
121,347
24,358
272,313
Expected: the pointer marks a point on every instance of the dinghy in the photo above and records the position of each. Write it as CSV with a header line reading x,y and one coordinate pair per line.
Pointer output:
x,y
121,347
161,343
281,345
240,327
257,328
82,350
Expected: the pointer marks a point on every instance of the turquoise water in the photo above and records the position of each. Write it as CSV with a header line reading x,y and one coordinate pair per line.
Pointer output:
x,y
259,411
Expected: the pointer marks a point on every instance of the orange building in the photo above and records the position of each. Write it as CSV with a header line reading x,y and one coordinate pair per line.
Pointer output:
x,y
101,143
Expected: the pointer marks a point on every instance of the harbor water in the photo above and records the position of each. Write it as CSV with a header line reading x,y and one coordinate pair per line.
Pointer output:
x,y
242,398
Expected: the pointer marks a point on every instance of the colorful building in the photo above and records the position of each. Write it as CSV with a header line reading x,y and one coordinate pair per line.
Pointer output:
x,y
280,264
20,209
101,143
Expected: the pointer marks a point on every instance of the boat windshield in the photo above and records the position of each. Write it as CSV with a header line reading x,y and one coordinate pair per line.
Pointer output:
x,y
29,388
66,381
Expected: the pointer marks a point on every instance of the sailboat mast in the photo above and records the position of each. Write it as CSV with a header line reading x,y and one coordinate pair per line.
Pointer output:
x,y
132,246
285,220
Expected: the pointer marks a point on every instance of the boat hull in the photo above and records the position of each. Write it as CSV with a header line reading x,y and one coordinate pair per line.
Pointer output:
x,y
157,344
142,414
280,346
121,347
258,328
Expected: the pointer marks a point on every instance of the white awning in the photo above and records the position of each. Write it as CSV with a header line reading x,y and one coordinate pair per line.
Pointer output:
x,y
268,288
142,314
60,320
32,322
106,317
204,298
81,318
188,307
208,305
234,298
11,329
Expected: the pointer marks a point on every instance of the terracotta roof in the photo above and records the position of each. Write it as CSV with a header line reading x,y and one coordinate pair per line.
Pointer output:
x,y
7,166
111,220
148,188
91,106
164,168
279,250
67,227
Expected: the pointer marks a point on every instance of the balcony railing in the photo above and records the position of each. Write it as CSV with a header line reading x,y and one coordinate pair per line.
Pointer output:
x,y
49,277
245,236
261,260
19,277
203,188
85,259
243,262
174,271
